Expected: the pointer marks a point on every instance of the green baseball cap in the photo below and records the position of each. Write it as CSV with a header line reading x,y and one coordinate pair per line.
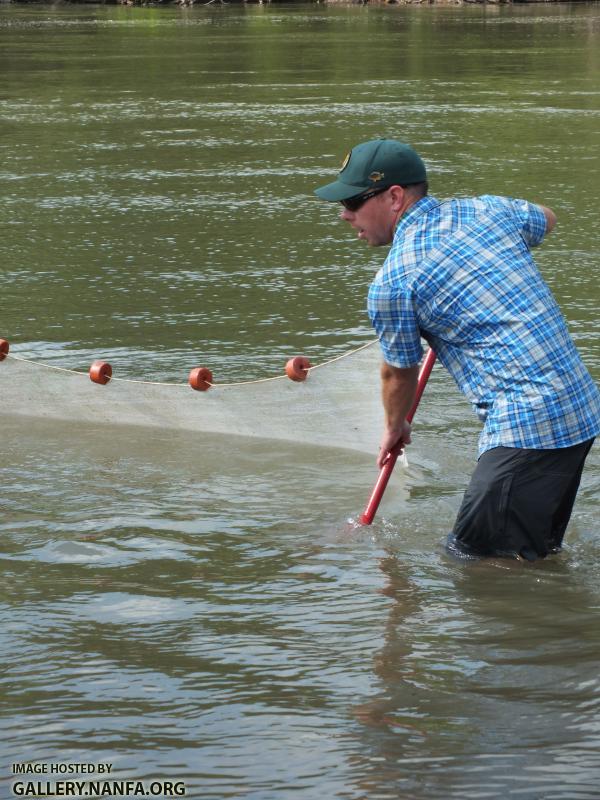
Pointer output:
x,y
375,165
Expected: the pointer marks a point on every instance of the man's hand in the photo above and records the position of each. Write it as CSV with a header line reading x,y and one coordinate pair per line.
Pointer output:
x,y
391,439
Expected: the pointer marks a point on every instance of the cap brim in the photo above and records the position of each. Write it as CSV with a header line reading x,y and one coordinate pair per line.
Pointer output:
x,y
336,191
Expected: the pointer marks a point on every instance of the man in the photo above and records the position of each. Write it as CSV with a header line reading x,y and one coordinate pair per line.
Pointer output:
x,y
460,275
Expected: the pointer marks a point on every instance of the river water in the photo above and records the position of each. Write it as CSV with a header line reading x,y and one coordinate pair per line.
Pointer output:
x,y
203,609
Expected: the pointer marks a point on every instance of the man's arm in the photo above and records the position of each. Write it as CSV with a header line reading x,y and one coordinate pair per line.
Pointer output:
x,y
550,218
398,389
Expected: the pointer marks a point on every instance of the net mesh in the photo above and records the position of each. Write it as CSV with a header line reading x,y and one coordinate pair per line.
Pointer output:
x,y
338,405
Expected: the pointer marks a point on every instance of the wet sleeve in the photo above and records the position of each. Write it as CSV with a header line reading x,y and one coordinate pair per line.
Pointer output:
x,y
391,310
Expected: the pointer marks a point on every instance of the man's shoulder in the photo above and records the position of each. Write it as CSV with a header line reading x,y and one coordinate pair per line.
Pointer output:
x,y
483,204
486,215
431,212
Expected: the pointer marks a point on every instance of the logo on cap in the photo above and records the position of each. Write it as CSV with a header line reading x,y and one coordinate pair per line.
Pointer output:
x,y
376,176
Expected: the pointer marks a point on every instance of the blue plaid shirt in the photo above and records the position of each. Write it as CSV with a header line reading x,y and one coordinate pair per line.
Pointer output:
x,y
460,274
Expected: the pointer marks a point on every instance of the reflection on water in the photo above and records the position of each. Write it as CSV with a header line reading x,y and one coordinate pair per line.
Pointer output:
x,y
208,609
494,665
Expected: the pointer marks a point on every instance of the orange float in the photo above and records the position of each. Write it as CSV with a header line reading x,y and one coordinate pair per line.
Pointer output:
x,y
200,379
297,368
100,372
4,348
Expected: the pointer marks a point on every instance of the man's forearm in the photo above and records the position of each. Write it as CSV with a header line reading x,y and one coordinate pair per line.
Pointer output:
x,y
398,389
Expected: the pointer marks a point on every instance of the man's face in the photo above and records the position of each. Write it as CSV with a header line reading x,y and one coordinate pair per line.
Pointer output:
x,y
374,220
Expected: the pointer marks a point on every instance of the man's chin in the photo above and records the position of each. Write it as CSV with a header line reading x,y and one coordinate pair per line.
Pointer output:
x,y
371,240
366,239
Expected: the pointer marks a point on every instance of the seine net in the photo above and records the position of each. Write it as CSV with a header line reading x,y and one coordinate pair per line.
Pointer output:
x,y
338,405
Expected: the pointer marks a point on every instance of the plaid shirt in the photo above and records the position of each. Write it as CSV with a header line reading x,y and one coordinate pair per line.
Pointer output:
x,y
460,274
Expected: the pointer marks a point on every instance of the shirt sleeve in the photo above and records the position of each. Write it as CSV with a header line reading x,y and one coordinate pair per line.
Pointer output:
x,y
528,217
392,315
532,221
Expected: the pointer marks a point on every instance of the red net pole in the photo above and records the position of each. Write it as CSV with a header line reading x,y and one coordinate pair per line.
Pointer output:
x,y
368,514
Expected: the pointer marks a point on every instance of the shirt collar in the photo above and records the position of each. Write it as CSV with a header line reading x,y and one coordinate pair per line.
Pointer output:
x,y
422,206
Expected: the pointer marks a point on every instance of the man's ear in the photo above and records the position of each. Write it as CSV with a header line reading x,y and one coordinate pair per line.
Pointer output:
x,y
398,195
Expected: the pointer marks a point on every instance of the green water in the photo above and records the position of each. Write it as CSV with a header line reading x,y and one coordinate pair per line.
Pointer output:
x,y
184,609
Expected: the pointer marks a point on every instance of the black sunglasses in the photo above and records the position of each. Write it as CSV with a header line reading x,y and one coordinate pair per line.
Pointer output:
x,y
354,203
